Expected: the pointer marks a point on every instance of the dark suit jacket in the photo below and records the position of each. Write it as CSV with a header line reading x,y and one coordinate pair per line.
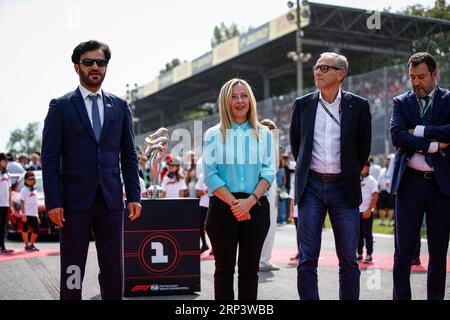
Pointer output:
x,y
356,137
405,115
74,164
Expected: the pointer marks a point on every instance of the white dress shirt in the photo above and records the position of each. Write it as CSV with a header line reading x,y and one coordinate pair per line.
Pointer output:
x,y
326,151
88,103
417,161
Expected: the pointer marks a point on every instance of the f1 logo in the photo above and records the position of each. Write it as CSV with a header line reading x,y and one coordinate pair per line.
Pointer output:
x,y
159,256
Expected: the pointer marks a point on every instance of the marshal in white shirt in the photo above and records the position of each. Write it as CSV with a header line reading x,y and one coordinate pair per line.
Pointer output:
x,y
326,151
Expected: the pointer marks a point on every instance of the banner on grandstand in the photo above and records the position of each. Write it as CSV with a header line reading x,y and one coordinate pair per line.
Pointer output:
x,y
282,25
225,51
229,49
202,63
182,71
254,38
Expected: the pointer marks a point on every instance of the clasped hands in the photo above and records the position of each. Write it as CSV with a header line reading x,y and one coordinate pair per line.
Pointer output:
x,y
241,208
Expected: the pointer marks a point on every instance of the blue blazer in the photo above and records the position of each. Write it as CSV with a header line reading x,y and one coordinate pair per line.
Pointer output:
x,y
356,138
405,115
74,164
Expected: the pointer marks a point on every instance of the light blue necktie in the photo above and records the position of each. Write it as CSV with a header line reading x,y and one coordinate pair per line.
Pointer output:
x,y
96,124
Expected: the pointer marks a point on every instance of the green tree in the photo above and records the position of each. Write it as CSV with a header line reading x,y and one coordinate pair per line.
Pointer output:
x,y
222,33
437,44
26,140
170,65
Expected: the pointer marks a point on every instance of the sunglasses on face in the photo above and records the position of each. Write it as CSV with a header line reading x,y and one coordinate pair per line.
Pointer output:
x,y
90,62
324,68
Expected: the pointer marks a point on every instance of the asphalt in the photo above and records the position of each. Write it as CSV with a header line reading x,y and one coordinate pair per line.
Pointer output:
x,y
36,277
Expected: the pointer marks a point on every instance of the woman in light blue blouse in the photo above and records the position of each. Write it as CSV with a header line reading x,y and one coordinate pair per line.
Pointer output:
x,y
238,162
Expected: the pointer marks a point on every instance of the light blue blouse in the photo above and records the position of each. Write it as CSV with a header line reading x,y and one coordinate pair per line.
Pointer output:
x,y
239,162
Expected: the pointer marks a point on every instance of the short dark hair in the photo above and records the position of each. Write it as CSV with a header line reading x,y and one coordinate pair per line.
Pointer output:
x,y
90,46
422,57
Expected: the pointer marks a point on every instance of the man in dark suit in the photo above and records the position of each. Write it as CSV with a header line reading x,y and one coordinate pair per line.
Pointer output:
x,y
330,136
87,145
420,130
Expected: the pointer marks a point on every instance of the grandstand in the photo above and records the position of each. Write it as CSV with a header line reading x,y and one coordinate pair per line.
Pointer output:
x,y
190,90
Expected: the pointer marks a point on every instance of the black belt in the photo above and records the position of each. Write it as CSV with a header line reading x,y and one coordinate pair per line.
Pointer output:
x,y
325,177
424,174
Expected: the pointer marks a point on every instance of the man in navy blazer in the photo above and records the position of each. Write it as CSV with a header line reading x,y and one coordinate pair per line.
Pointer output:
x,y
420,130
330,137
87,145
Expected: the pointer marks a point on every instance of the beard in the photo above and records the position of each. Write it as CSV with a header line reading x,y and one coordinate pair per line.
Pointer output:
x,y
91,79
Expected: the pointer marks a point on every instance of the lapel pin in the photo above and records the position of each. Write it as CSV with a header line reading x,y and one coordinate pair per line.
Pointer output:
x,y
108,105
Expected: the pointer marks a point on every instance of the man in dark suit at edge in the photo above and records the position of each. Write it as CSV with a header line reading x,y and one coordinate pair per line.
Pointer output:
x,y
420,130
88,143
330,137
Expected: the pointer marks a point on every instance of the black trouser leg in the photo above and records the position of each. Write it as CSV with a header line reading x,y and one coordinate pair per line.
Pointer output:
x,y
225,233
108,232
203,213
252,234
222,228
3,219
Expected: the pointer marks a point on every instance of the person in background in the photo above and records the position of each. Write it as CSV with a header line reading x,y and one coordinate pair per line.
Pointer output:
x,y
386,201
294,215
5,201
14,168
238,164
190,174
202,193
281,192
24,161
29,211
266,253
375,169
369,191
144,193
164,167
142,160
35,162
288,174
173,183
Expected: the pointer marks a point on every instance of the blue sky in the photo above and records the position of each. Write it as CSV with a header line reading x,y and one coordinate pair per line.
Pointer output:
x,y
38,37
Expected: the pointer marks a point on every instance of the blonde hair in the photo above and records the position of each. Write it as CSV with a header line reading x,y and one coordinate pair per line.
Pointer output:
x,y
224,102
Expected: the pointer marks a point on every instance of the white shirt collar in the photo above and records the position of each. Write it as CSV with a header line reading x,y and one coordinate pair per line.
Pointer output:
x,y
336,100
85,92
431,94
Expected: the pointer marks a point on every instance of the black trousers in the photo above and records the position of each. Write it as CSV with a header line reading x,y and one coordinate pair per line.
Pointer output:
x,y
415,196
33,223
365,235
107,227
203,214
226,233
3,223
